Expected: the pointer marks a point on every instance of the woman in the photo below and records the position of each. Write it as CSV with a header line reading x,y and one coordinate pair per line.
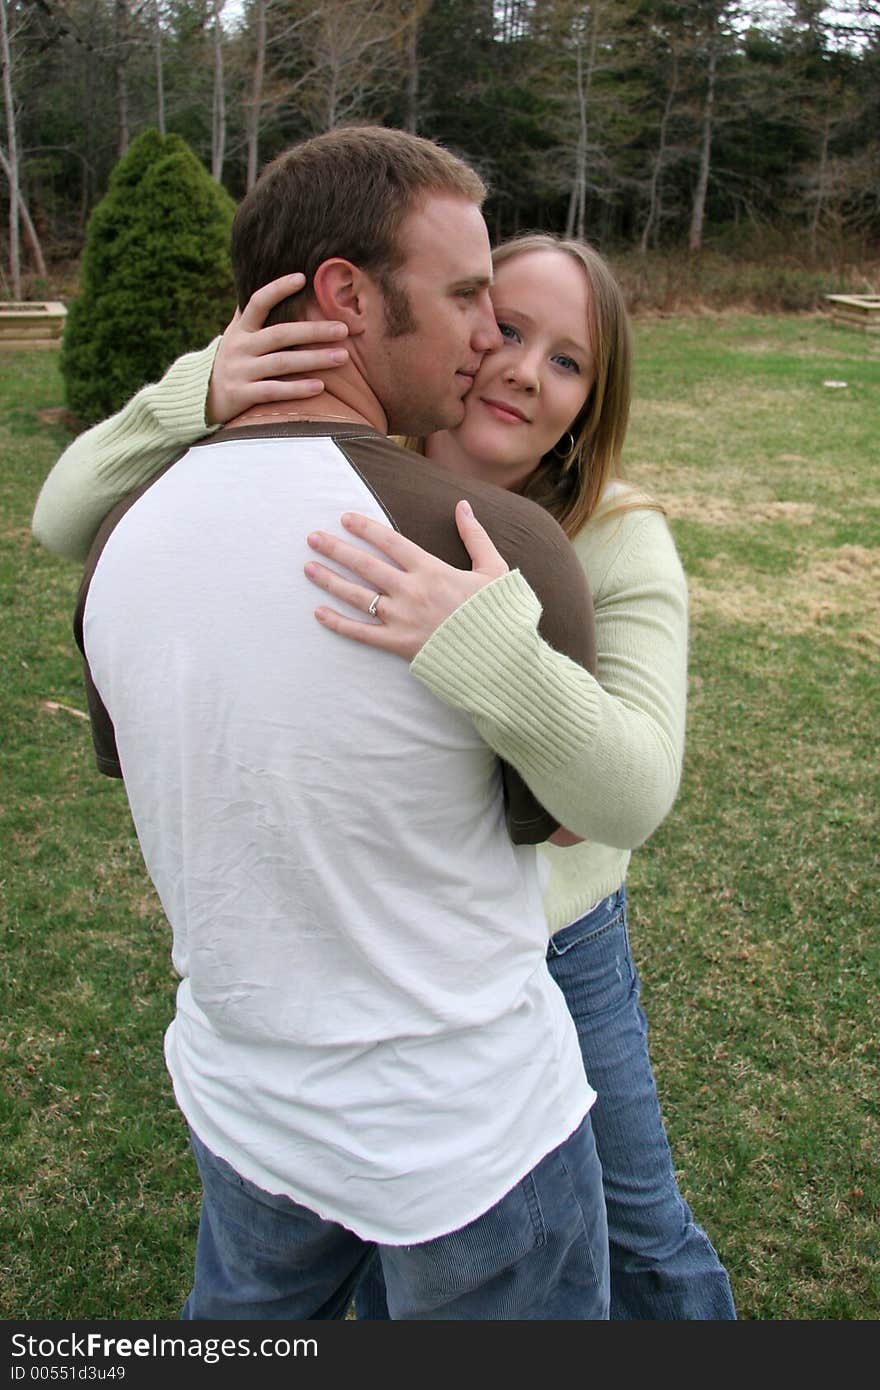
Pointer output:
x,y
547,415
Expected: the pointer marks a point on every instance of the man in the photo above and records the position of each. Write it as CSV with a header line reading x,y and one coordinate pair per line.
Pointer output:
x,y
368,1048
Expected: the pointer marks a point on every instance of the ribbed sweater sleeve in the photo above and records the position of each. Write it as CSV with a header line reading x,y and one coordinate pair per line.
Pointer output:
x,y
602,755
110,460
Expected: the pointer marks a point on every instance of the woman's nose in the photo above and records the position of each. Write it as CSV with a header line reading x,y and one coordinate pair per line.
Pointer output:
x,y
524,373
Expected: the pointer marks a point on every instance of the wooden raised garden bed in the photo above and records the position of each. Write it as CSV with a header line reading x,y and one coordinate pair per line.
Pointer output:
x,y
857,310
36,325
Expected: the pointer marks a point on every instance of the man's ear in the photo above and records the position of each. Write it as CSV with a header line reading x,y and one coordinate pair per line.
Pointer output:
x,y
343,293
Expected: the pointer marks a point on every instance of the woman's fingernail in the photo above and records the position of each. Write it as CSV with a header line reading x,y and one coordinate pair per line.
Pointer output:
x,y
466,508
339,355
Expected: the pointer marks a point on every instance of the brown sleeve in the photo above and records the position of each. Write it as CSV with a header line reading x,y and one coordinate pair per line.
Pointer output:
x,y
103,733
546,558
419,500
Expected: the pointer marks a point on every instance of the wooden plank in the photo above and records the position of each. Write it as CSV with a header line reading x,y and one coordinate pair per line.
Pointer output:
x,y
7,344
29,330
858,301
860,311
31,324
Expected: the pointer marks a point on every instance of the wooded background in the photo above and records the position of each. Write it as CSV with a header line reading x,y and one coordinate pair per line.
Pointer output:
x,y
753,129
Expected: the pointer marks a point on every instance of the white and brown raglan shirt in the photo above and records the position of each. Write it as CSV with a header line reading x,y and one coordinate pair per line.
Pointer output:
x,y
365,1021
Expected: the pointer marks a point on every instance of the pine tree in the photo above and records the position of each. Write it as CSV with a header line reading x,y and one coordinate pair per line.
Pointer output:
x,y
156,276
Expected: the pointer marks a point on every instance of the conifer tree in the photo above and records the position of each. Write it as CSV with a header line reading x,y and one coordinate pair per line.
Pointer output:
x,y
156,277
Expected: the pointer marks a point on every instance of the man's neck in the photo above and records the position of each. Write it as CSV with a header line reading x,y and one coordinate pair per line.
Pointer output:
x,y
346,398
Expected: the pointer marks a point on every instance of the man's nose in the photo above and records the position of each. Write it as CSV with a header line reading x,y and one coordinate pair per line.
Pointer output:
x,y
485,336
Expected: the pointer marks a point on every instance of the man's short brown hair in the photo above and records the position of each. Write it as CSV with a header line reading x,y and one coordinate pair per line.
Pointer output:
x,y
344,193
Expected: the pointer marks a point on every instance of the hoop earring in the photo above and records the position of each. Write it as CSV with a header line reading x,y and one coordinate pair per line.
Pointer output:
x,y
567,452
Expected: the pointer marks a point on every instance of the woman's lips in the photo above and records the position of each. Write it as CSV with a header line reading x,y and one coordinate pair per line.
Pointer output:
x,y
503,411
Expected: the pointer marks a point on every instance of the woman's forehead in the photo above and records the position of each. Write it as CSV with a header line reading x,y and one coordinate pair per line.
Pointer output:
x,y
547,286
539,266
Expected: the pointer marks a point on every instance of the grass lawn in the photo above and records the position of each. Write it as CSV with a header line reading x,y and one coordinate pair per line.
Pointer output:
x,y
754,908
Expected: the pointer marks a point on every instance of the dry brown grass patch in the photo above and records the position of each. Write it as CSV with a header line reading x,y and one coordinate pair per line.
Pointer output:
x,y
828,585
721,511
19,536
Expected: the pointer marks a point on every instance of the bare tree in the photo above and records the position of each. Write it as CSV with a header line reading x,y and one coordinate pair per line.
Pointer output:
x,y
660,158
160,68
218,106
272,91
413,12
828,185
30,231
581,71
822,183
10,162
254,104
713,33
122,28
351,51
584,37
698,207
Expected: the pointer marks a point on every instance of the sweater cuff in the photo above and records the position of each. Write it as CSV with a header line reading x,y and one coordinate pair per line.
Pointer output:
x,y
489,660
180,405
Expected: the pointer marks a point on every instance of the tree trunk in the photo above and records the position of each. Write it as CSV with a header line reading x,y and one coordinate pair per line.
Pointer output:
x,y
698,211
11,165
218,112
820,188
30,231
577,205
121,74
577,198
160,73
653,218
254,107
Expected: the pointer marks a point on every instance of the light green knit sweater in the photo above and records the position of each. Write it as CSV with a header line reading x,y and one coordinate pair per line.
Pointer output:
x,y
603,755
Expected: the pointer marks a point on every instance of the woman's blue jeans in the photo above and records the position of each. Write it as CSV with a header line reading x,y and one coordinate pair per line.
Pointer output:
x,y
663,1266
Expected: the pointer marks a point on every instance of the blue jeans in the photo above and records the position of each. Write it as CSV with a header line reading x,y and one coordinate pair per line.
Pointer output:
x,y
663,1266
540,1253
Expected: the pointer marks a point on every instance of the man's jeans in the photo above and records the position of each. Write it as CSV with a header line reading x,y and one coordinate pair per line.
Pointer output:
x,y
663,1266
540,1253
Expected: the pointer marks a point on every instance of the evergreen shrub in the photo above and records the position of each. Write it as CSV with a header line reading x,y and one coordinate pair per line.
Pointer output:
x,y
156,278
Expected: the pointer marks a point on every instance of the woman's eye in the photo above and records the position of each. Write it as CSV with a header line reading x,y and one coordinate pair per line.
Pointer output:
x,y
567,362
507,331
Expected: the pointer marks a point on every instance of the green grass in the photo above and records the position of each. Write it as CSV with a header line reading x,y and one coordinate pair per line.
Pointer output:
x,y
756,904
754,908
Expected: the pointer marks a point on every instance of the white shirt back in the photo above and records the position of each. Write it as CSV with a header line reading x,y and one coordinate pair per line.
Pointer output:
x,y
365,1021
